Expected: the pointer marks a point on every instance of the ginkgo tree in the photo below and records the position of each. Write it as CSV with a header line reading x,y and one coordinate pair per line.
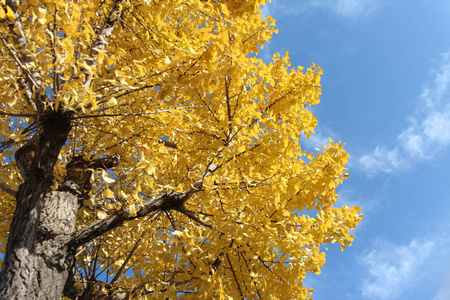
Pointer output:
x,y
148,153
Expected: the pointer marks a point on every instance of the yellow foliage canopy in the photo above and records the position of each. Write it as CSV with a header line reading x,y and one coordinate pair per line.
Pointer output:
x,y
175,89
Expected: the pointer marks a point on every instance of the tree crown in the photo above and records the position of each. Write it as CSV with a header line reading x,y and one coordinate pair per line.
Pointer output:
x,y
173,96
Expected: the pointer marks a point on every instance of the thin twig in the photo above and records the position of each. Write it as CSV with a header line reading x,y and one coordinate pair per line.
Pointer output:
x,y
122,267
134,114
234,275
17,115
191,215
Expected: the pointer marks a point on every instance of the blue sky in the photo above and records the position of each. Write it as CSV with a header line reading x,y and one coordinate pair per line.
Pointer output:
x,y
386,93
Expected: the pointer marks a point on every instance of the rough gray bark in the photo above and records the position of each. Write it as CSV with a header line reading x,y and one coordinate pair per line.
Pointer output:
x,y
36,259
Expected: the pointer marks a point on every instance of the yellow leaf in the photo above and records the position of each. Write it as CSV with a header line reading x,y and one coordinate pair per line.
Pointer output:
x,y
177,233
89,201
10,14
106,177
108,194
133,210
101,214
224,9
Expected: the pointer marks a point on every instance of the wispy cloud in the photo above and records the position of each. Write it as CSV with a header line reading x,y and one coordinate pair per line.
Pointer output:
x,y
443,293
382,159
391,268
352,9
428,132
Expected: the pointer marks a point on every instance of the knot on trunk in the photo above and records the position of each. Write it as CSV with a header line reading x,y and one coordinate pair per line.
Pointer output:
x,y
41,151
24,156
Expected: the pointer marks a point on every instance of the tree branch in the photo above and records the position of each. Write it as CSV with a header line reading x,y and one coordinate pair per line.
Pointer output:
x,y
168,144
102,38
234,274
17,115
127,259
164,201
192,215
135,114
75,285
32,76
7,190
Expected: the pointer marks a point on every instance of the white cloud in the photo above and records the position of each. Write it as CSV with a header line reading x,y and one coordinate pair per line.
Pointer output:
x,y
427,134
391,269
387,160
353,9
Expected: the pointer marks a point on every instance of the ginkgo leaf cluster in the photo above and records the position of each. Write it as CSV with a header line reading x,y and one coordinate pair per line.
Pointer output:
x,y
176,89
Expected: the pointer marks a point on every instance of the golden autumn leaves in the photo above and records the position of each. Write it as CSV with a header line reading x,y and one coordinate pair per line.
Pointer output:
x,y
186,72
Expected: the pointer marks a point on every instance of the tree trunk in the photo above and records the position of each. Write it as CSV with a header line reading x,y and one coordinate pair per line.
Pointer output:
x,y
39,262
38,259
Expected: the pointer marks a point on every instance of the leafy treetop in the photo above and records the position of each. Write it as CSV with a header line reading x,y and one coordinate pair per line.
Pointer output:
x,y
175,90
